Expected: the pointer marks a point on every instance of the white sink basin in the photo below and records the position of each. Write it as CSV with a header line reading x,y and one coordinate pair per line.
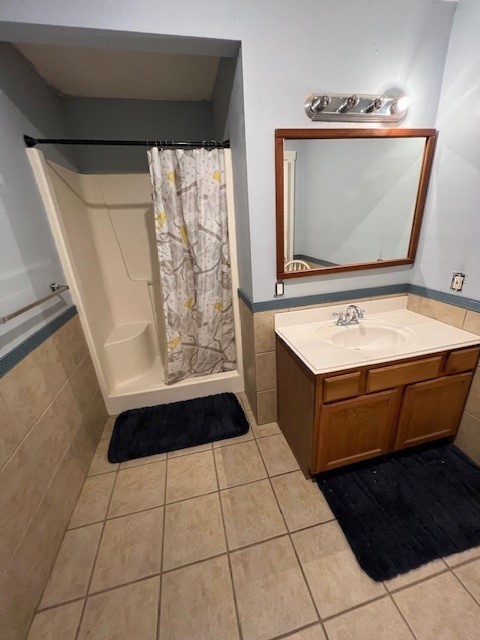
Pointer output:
x,y
365,336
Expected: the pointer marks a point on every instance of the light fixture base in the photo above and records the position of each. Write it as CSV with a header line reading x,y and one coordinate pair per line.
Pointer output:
x,y
364,108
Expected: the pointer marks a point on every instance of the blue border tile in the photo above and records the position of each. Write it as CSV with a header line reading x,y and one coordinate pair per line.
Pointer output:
x,y
319,298
337,296
8,361
456,300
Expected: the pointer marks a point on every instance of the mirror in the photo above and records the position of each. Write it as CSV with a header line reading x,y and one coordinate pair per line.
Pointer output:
x,y
349,199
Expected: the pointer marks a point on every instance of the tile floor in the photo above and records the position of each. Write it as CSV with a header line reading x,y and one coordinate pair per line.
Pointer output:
x,y
230,542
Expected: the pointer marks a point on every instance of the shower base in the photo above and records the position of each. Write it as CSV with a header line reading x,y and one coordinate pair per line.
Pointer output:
x,y
150,389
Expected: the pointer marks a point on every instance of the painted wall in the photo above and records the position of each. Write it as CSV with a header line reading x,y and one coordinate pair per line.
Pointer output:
x,y
28,257
450,238
111,119
288,50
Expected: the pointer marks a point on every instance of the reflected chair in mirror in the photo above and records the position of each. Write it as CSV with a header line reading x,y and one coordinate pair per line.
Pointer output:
x,y
296,265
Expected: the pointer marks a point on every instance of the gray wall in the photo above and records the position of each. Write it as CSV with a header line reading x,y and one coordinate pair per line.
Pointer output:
x,y
111,119
28,257
222,92
289,49
450,239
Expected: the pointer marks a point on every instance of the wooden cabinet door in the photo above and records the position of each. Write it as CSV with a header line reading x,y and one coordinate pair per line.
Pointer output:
x,y
354,430
432,410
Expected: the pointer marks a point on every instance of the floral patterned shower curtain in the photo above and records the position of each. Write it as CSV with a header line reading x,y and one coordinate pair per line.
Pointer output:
x,y
189,195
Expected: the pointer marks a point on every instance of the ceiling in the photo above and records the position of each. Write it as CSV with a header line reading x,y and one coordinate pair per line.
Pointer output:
x,y
107,73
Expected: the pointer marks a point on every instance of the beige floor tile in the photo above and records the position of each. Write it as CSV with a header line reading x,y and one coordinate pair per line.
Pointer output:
x,y
128,613
239,464
92,503
190,476
251,514
193,531
463,556
139,462
100,463
189,450
277,455
262,430
469,574
301,501
108,428
9,437
60,622
229,441
272,596
197,603
440,609
138,488
73,566
378,620
310,633
242,396
425,571
130,549
336,580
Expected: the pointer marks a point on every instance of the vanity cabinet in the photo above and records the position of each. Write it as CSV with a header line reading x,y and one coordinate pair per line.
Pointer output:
x,y
332,420
357,429
432,410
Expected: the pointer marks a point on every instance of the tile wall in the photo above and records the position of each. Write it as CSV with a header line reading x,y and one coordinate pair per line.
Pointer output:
x,y
51,417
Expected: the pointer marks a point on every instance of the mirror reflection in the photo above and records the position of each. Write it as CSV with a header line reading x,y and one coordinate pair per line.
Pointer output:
x,y
350,201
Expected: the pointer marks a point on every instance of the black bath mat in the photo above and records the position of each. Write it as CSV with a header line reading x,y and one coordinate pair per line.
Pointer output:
x,y
168,427
405,510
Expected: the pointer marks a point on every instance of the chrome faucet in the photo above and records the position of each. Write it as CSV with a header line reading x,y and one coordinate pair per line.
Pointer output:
x,y
351,316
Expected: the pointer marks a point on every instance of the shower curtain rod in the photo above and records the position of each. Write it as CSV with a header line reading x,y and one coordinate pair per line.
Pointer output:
x,y
209,144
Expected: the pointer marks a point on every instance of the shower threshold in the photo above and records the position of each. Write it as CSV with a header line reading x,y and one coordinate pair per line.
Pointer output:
x,y
150,389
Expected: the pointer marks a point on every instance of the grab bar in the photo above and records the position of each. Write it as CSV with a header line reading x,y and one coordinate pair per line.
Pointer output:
x,y
55,288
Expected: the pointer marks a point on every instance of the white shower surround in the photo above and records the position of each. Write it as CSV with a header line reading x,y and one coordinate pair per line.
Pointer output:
x,y
124,337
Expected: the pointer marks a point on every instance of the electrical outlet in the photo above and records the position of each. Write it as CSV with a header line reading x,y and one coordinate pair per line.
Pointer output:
x,y
457,283
279,289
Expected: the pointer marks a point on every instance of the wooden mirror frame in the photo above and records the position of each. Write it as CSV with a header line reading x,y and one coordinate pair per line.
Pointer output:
x,y
430,136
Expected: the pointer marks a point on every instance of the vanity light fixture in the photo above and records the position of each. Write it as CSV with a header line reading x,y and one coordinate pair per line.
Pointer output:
x,y
348,104
320,103
356,108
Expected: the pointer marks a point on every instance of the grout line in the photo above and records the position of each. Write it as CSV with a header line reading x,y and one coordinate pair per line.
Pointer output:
x,y
401,615
194,562
159,603
123,515
59,604
415,582
124,584
382,596
465,588
235,603
296,554
463,563
288,634
95,559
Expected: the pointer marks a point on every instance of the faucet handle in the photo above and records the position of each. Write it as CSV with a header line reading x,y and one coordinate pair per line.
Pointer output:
x,y
361,312
337,314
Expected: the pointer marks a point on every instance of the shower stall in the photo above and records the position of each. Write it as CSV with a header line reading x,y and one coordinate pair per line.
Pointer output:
x,y
103,227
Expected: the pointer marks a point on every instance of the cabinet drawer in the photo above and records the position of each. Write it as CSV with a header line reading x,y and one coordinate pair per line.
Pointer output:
x,y
339,387
401,374
464,360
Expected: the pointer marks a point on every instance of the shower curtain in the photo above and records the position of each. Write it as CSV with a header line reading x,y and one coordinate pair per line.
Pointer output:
x,y
189,195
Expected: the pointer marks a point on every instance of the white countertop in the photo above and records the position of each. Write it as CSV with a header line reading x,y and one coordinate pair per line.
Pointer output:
x,y
302,331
